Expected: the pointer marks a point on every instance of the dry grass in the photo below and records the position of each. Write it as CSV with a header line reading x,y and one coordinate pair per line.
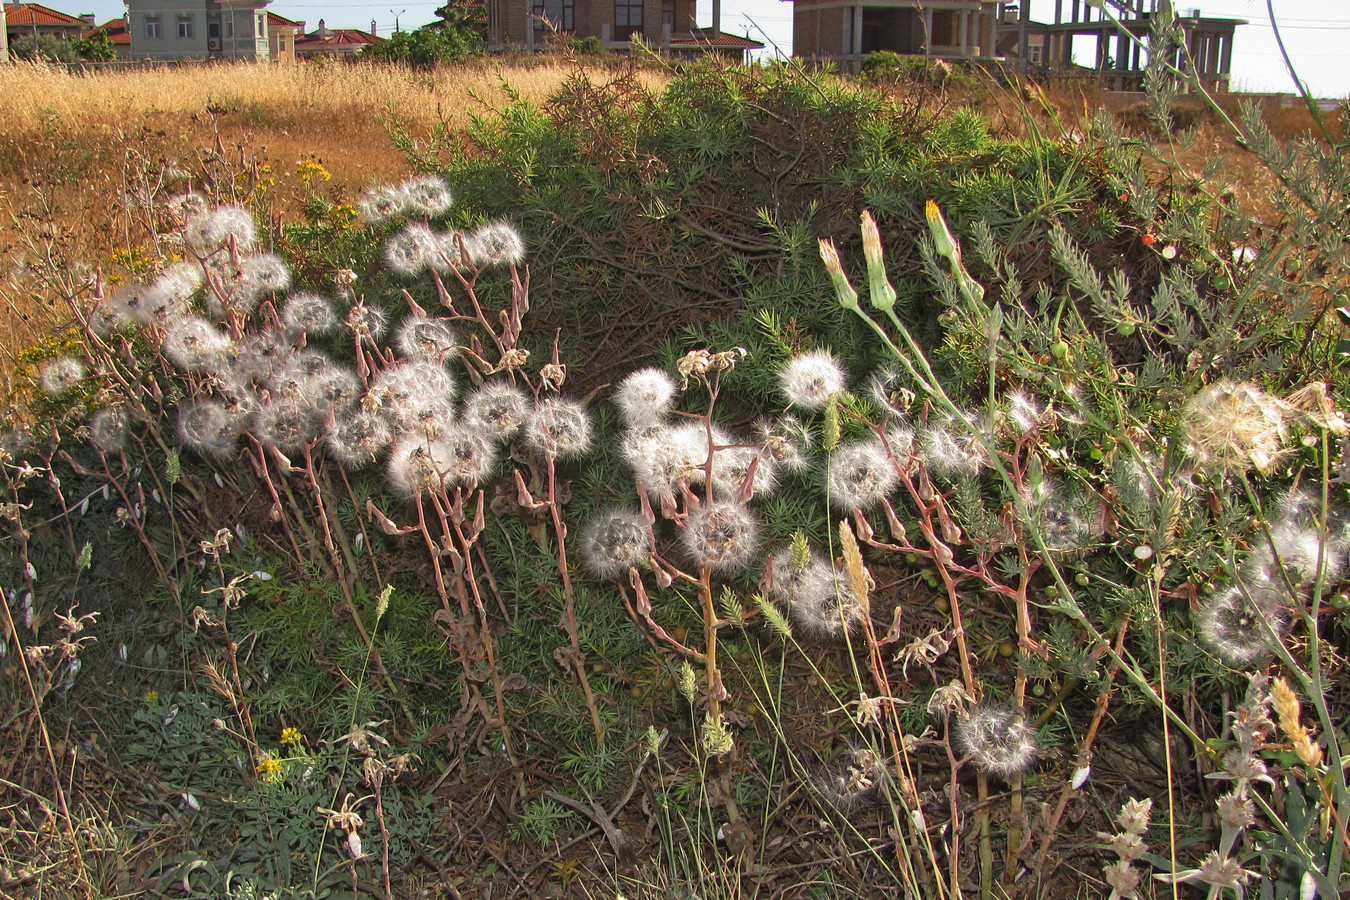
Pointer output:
x,y
67,136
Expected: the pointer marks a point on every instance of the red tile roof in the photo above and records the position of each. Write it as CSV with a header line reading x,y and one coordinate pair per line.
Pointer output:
x,y
337,37
721,40
35,14
276,21
116,29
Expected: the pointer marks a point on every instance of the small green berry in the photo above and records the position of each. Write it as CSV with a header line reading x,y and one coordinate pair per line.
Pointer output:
x,y
1060,350
1081,579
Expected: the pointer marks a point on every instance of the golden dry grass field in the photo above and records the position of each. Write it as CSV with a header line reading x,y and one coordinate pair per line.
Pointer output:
x,y
69,137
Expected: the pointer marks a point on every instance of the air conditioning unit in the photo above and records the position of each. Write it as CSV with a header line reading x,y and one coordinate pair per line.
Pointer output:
x,y
213,44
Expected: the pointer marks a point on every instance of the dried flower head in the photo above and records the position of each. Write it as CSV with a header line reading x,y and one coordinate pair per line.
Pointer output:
x,y
426,195
819,598
367,322
496,243
411,250
357,437
996,739
721,536
195,345
614,541
431,338
60,374
308,314
1242,623
1233,426
496,410
558,427
645,397
860,475
855,784
811,379
209,231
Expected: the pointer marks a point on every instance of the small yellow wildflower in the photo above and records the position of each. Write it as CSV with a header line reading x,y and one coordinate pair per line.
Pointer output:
x,y
151,696
290,735
310,171
268,768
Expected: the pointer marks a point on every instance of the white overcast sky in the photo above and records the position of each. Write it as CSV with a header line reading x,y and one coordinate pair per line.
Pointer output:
x,y
1317,34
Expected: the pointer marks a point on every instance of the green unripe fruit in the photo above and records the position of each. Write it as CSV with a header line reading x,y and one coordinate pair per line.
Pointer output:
x,y
1095,454
1060,350
1340,601
1038,690
1052,591
942,604
1126,329
1081,579
1007,649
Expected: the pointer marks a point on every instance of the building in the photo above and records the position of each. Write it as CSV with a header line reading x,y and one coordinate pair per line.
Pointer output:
x,y
33,19
282,34
335,43
118,36
1082,40
845,31
198,29
669,26
4,36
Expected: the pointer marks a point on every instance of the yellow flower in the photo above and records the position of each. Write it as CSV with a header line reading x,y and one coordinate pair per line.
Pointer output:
x,y
290,735
151,696
268,768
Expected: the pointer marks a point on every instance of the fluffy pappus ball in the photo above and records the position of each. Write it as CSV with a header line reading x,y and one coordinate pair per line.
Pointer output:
x,y
996,740
1232,426
664,457
379,203
463,457
949,448
413,469
108,429
731,469
645,397
860,475
614,541
61,374
357,437
1242,624
209,427
213,230
426,195
411,250
496,243
423,337
820,599
418,395
558,427
497,410
308,314
721,536
195,345
809,380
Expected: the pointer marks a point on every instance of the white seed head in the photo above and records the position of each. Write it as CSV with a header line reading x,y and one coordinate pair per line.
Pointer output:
x,y
860,475
496,243
308,314
379,203
411,250
463,457
417,395
357,437
949,448
645,397
1231,427
614,541
819,598
496,410
721,536
61,374
209,427
558,427
809,380
212,230
195,345
1238,623
423,337
108,429
426,195
413,469
786,441
996,740
664,457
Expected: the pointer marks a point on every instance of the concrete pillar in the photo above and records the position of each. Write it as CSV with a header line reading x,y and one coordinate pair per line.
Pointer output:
x,y
857,30
927,32
965,33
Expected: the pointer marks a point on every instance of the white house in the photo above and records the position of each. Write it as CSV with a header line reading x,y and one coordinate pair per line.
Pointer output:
x,y
198,29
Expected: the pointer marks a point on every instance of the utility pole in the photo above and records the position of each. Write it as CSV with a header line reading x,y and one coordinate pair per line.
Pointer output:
x,y
396,16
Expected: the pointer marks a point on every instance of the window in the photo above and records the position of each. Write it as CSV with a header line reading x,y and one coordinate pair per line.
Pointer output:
x,y
627,19
668,13
154,30
944,29
185,28
229,28
557,12
213,30
262,26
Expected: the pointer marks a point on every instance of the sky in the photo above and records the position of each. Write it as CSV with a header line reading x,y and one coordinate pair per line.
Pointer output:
x,y
1315,33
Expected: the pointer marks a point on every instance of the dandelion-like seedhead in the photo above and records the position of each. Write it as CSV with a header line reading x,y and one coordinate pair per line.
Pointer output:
x,y
379,203
186,206
615,541
662,458
731,469
412,249
286,423
496,410
426,195
887,388
209,427
367,322
558,427
819,599
496,243
61,374
452,251
949,448
413,468
1298,548
809,380
423,337
1070,520
463,457
308,314
996,740
195,345
645,397
786,440
358,437
418,396
1024,413
1231,427
860,475
721,536
108,429
1242,623
856,784
212,230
